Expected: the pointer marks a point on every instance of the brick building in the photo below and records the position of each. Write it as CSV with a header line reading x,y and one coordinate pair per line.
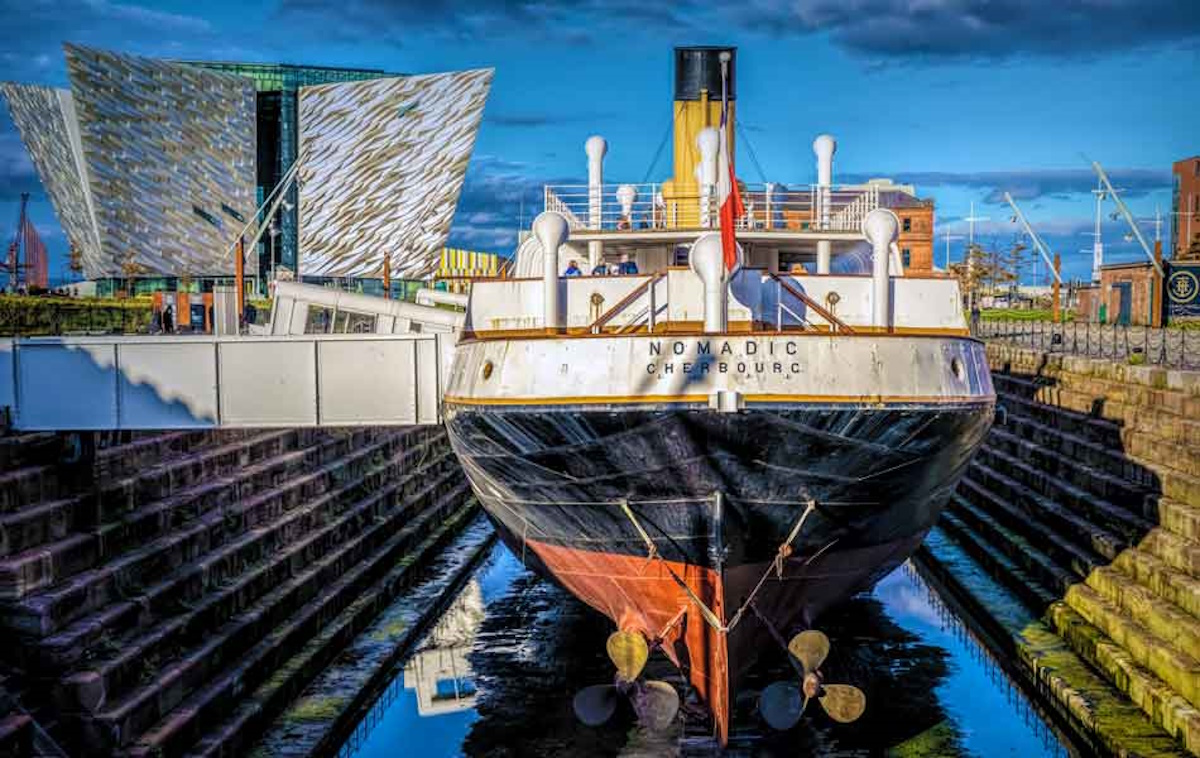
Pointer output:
x,y
916,223
1185,209
1123,296
916,234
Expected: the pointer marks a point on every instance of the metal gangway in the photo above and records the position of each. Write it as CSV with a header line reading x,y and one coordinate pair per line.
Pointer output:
x,y
337,359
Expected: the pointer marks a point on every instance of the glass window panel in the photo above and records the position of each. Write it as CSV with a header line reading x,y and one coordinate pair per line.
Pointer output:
x,y
319,319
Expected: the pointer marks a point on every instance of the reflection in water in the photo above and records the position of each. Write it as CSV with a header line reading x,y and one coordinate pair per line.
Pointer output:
x,y
439,670
495,677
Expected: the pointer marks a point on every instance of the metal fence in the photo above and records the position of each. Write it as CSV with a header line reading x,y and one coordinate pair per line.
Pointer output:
x,y
1173,348
626,207
201,382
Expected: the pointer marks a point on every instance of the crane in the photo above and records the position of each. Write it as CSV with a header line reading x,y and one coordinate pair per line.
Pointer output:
x,y
1053,262
1129,219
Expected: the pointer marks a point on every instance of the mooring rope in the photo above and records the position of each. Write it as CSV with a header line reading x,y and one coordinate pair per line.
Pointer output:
x,y
708,614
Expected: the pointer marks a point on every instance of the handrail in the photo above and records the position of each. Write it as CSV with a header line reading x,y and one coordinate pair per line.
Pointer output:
x,y
624,302
836,322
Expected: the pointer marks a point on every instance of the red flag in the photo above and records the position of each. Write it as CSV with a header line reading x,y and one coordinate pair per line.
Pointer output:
x,y
727,187
731,210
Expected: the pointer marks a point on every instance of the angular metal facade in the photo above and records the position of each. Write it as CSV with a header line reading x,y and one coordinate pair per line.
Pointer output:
x,y
383,162
170,156
45,118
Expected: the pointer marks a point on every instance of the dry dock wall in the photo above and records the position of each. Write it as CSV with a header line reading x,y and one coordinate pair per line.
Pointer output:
x,y
1075,538
172,593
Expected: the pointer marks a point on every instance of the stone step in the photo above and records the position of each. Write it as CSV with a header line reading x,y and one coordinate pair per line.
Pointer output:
x,y
33,484
1168,583
1176,485
1062,521
32,525
29,449
1179,518
126,456
161,516
1164,620
43,565
1102,717
1132,392
1018,396
1176,456
1038,565
365,641
1163,705
1032,592
1180,672
1173,550
39,567
1122,521
1017,567
1030,525
202,685
50,477
181,472
314,530
121,580
1170,427
1115,461
1091,479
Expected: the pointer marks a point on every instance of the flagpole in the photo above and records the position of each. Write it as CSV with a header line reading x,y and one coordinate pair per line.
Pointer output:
x,y
725,90
727,190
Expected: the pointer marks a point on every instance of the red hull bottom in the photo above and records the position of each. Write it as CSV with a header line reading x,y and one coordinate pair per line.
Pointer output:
x,y
641,594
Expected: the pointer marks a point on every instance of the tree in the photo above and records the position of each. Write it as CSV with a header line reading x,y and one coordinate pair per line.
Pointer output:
x,y
130,269
970,272
76,261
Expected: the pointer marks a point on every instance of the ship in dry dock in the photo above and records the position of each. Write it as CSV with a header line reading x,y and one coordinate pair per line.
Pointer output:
x,y
709,450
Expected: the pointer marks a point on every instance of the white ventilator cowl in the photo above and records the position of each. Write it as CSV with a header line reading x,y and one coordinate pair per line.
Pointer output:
x,y
824,146
596,147
551,230
627,196
881,227
707,261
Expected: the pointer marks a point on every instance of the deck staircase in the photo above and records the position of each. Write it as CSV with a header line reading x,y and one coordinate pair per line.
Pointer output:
x,y
1084,502
157,591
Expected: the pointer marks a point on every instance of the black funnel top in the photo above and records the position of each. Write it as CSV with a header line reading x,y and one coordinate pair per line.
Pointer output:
x,y
698,68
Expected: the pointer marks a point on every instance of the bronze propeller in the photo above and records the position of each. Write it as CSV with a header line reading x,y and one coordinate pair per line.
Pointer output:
x,y
782,703
655,702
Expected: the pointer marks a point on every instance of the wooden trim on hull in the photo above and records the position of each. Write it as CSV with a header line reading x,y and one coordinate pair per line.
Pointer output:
x,y
866,400
696,329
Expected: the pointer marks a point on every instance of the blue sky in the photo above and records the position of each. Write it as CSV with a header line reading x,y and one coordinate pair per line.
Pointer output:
x,y
966,98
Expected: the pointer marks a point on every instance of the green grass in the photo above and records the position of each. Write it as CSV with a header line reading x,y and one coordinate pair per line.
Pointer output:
x,y
1005,314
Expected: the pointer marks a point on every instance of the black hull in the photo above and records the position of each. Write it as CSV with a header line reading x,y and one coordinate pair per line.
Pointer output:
x,y
876,475
578,492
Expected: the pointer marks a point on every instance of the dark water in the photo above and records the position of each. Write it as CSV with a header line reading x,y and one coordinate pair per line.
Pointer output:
x,y
496,677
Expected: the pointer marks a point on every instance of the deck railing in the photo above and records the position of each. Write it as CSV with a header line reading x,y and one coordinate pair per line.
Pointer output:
x,y
647,315
629,207
1172,348
835,323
